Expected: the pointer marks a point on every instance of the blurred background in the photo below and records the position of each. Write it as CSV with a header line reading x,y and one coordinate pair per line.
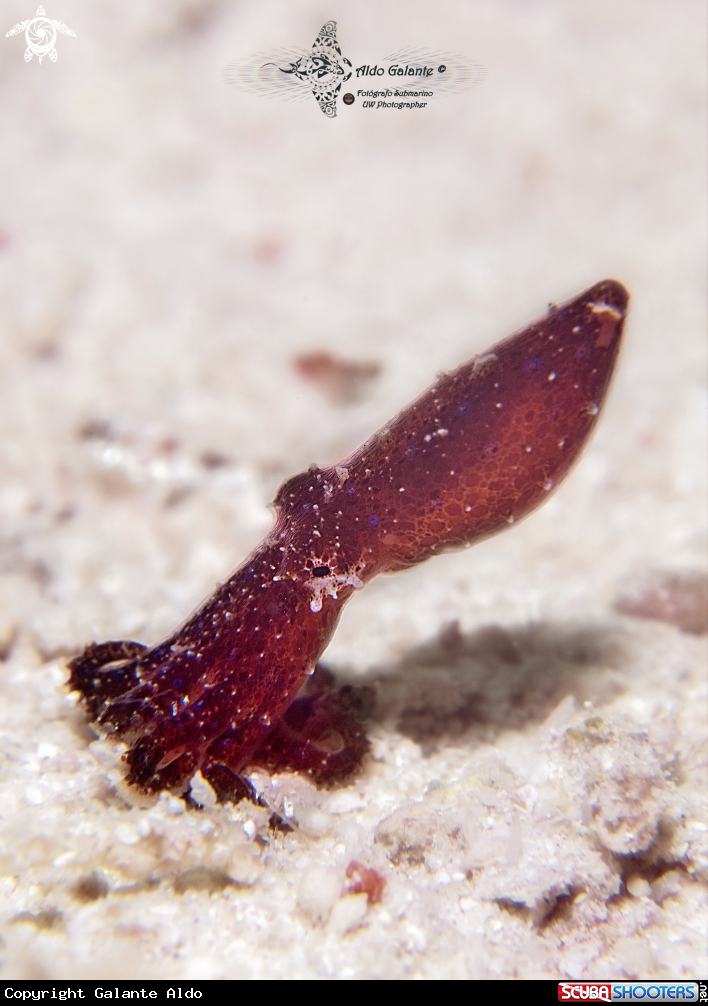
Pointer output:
x,y
203,291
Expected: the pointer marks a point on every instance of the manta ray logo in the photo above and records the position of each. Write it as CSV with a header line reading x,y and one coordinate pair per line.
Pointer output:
x,y
297,73
324,69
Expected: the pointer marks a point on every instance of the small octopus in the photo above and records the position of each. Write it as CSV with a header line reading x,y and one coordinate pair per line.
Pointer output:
x,y
235,687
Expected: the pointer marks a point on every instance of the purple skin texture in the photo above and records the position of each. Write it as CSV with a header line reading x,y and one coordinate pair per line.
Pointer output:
x,y
233,689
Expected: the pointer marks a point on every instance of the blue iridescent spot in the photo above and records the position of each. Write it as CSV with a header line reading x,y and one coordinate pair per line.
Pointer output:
x,y
372,520
350,490
409,451
532,365
463,408
582,351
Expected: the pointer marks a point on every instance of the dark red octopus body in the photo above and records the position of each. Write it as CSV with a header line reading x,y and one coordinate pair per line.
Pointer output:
x,y
478,451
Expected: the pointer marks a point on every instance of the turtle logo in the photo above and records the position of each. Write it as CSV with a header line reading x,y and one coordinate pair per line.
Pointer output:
x,y
324,69
40,34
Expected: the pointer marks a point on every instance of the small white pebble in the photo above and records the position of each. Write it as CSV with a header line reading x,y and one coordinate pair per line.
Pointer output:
x,y
638,887
318,892
348,914
315,823
202,791
345,801
61,861
127,834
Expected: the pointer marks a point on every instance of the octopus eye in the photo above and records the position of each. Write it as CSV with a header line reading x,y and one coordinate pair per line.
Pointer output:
x,y
321,571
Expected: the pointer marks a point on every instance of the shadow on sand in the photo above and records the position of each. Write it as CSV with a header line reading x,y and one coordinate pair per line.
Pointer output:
x,y
497,678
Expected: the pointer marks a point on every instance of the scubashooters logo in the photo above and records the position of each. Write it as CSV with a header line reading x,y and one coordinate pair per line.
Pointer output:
x,y
297,74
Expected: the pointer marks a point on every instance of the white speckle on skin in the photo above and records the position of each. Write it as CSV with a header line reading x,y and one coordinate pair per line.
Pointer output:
x,y
482,362
602,307
322,585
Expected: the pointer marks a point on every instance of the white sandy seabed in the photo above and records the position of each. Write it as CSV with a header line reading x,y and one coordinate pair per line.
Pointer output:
x,y
535,796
